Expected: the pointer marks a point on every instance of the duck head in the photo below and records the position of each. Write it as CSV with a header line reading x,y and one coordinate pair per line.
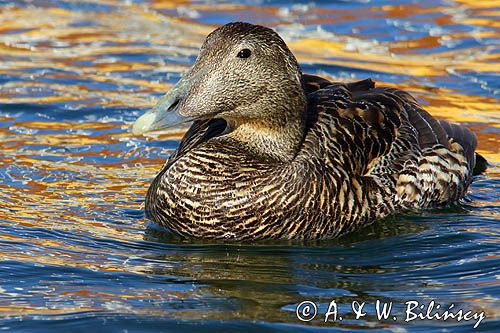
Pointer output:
x,y
244,74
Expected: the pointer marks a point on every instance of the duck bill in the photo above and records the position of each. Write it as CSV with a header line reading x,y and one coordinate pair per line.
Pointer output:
x,y
166,112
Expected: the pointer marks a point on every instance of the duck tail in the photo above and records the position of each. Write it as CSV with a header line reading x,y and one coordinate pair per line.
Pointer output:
x,y
467,139
480,166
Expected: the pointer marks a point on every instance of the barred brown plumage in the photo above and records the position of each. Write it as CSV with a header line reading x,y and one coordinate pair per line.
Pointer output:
x,y
274,153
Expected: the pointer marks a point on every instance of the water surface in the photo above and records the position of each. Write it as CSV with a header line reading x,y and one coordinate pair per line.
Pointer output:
x,y
75,251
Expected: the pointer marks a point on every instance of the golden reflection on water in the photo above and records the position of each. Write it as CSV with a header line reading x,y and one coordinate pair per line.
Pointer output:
x,y
36,38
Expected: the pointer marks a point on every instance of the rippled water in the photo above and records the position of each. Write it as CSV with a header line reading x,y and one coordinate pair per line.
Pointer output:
x,y
75,251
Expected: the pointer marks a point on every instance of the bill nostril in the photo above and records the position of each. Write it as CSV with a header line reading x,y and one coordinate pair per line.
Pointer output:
x,y
174,105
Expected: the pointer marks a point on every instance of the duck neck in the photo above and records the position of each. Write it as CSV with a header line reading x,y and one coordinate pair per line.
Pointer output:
x,y
277,140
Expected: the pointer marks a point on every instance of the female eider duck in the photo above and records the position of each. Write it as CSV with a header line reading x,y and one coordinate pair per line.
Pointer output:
x,y
274,153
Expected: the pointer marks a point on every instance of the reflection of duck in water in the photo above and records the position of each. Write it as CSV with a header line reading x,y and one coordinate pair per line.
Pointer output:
x,y
274,153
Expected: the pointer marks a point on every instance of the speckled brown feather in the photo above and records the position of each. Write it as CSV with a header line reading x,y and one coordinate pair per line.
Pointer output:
x,y
367,153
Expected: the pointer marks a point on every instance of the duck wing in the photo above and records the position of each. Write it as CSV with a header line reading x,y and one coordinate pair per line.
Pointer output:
x,y
381,136
312,83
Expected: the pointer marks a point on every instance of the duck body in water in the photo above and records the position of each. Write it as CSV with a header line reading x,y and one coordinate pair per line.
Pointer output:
x,y
274,153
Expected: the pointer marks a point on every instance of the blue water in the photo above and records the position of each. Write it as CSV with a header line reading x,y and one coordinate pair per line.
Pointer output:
x,y
77,254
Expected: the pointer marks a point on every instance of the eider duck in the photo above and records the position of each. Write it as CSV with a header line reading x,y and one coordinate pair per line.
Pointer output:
x,y
273,153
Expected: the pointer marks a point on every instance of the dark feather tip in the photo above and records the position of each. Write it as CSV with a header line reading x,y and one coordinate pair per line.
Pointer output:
x,y
480,166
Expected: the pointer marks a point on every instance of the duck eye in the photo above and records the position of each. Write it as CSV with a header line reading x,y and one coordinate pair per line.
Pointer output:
x,y
245,53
